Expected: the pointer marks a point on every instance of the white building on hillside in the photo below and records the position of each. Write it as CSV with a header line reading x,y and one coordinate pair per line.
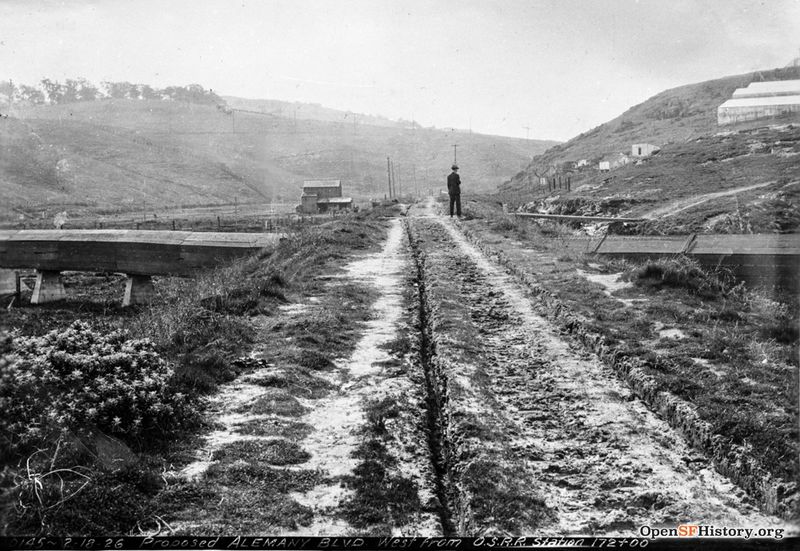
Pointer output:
x,y
761,100
643,149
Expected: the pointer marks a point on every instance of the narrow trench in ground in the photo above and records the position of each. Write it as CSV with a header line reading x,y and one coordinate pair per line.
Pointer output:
x,y
433,398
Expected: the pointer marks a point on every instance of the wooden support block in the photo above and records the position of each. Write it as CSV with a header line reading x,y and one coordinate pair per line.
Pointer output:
x,y
9,283
138,290
49,287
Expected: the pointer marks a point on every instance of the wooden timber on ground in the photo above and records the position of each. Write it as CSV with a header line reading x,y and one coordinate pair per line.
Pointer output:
x,y
574,218
761,259
133,252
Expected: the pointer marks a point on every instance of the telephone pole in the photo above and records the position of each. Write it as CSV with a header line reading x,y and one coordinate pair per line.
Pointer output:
x,y
455,148
389,174
394,181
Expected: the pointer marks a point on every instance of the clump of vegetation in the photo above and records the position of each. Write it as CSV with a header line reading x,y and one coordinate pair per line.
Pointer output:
x,y
80,381
275,402
51,498
382,499
63,395
496,496
503,224
684,273
274,452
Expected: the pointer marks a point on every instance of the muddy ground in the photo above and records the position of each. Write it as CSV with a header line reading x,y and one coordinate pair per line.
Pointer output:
x,y
459,410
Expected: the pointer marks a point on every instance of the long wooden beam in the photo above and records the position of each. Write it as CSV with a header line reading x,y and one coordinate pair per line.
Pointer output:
x,y
575,218
765,259
133,252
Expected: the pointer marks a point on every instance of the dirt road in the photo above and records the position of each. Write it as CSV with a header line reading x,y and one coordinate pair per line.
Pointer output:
x,y
681,205
591,457
460,411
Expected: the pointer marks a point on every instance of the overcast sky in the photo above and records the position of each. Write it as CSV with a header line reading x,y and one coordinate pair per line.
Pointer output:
x,y
559,67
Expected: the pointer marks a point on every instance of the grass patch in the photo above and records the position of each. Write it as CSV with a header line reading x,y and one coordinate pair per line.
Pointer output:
x,y
252,509
497,497
274,452
78,500
248,474
295,379
382,500
682,272
274,402
276,427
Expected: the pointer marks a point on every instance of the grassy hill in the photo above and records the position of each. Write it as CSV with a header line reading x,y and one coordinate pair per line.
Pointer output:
x,y
697,157
308,111
130,155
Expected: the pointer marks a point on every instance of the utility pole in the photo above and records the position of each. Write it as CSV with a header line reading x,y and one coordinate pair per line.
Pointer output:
x,y
455,148
414,175
389,174
527,133
394,181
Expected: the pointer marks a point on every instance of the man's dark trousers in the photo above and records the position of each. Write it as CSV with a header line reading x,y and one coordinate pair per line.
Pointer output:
x,y
455,198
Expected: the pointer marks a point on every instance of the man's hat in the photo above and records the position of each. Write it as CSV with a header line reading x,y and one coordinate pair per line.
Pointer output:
x,y
454,167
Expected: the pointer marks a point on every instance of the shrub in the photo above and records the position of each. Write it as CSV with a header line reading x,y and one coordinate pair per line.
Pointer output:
x,y
682,272
503,224
78,380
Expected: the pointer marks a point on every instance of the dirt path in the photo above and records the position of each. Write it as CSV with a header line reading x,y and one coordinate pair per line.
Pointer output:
x,y
688,202
601,462
340,450
338,419
459,412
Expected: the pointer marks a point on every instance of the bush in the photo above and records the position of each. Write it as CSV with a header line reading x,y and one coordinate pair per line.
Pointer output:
x,y
685,273
79,380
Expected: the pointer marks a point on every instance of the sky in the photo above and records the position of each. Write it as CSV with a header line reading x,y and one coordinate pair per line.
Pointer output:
x,y
545,69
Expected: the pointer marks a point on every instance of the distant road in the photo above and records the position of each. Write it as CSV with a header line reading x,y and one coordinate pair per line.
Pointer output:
x,y
688,202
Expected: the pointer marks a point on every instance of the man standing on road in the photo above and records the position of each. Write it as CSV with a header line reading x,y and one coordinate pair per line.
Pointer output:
x,y
454,189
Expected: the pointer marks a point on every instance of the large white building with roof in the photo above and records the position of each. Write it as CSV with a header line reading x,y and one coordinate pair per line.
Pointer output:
x,y
761,100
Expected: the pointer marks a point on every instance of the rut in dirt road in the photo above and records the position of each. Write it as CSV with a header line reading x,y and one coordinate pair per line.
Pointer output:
x,y
538,437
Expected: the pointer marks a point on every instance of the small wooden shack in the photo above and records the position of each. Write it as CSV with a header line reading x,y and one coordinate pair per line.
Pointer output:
x,y
321,196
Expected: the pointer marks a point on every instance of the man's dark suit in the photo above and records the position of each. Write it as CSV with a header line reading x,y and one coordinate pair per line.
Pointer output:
x,y
454,189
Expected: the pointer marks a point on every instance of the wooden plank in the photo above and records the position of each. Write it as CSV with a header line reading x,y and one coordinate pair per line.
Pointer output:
x,y
748,244
138,252
638,244
758,259
574,218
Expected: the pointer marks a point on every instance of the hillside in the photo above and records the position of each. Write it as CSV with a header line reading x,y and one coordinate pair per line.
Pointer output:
x,y
308,111
123,155
697,157
673,116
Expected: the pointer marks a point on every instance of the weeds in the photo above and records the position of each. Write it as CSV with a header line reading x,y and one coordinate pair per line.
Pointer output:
x,y
274,452
684,273
381,499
